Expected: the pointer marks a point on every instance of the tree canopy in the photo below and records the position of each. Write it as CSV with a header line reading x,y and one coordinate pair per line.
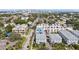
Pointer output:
x,y
9,28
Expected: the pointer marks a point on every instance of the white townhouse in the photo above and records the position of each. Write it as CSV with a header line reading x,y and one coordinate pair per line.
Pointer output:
x,y
55,38
68,37
51,28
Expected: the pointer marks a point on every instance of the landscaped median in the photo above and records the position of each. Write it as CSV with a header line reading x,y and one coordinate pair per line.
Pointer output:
x,y
31,42
28,31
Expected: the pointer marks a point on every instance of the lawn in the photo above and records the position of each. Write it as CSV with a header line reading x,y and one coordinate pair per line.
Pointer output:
x,y
58,46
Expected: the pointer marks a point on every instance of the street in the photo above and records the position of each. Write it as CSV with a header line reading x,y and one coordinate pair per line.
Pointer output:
x,y
27,41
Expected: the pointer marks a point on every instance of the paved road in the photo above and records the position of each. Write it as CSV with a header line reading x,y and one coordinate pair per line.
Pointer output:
x,y
27,41
29,36
35,21
32,42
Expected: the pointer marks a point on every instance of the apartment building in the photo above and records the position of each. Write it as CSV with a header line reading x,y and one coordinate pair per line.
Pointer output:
x,y
20,29
40,35
24,18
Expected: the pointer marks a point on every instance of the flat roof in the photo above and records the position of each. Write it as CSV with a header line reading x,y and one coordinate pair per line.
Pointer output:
x,y
55,37
76,32
68,35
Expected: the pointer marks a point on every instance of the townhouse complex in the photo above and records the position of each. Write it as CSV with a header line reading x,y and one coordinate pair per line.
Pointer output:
x,y
56,33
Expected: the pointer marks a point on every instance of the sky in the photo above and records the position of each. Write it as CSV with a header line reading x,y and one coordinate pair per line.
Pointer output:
x,y
39,4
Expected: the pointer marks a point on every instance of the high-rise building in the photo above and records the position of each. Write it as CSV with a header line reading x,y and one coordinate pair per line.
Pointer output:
x,y
40,35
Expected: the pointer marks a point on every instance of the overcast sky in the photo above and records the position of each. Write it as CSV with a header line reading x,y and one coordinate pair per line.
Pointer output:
x,y
39,4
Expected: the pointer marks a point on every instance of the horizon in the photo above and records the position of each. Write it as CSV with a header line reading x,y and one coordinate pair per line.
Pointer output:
x,y
37,10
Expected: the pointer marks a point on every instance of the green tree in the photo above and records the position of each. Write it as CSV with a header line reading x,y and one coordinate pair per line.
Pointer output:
x,y
51,22
2,35
1,24
5,15
76,46
18,45
76,25
9,28
19,21
59,46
